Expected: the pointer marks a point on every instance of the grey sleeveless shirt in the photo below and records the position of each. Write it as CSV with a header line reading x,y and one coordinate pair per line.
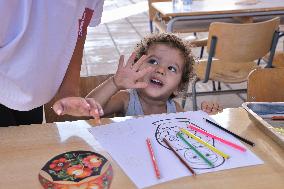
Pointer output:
x,y
135,108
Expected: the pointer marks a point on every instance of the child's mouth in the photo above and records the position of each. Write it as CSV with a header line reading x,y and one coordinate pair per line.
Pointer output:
x,y
156,82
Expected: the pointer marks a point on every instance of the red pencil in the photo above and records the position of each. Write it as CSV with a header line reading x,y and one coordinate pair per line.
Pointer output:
x,y
154,161
277,117
217,138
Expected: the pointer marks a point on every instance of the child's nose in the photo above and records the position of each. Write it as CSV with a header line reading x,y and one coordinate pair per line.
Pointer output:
x,y
160,69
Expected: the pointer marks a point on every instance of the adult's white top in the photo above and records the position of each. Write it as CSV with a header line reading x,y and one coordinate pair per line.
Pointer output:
x,y
37,39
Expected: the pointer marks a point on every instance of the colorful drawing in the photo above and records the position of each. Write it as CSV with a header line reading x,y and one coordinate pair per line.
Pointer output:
x,y
168,128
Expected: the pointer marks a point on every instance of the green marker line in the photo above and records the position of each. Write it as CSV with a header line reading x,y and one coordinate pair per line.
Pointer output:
x,y
194,149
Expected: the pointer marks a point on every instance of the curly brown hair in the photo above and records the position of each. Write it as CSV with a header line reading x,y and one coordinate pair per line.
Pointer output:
x,y
172,41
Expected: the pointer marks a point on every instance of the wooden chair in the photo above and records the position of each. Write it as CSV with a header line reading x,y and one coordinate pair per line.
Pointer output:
x,y
86,85
234,47
278,60
266,85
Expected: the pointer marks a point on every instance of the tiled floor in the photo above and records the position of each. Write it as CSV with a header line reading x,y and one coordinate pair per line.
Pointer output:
x,y
120,30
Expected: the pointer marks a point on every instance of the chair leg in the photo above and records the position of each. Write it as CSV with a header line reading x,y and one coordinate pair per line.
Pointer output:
x,y
258,61
194,100
201,52
202,48
213,85
151,26
219,86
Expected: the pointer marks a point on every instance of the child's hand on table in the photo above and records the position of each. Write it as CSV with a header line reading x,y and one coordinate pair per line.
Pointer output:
x,y
211,107
77,106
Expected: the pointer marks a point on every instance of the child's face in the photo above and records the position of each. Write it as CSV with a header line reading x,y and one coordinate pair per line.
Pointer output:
x,y
165,78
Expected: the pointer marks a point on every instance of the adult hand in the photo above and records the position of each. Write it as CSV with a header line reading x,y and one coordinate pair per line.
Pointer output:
x,y
77,106
127,77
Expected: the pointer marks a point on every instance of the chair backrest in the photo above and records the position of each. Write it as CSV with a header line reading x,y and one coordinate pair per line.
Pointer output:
x,y
152,10
242,42
266,85
86,86
278,60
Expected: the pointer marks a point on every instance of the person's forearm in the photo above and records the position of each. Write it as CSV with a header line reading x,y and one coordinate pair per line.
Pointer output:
x,y
71,81
103,93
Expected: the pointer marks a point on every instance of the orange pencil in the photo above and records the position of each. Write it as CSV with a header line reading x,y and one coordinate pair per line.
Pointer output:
x,y
154,161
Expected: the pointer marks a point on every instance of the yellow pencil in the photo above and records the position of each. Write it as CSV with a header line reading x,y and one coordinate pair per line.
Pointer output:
x,y
205,143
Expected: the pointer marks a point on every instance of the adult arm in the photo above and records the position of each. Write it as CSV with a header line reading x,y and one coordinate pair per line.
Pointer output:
x,y
70,84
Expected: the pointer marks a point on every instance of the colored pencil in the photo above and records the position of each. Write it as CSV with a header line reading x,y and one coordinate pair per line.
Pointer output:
x,y
217,138
154,161
230,132
178,156
226,156
195,150
277,117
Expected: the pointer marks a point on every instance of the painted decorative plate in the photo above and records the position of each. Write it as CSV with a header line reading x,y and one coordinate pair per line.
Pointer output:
x,y
77,169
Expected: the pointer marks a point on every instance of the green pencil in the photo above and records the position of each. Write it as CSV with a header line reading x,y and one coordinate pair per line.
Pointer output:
x,y
194,149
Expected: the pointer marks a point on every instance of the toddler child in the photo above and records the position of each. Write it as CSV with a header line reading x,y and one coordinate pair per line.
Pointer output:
x,y
155,73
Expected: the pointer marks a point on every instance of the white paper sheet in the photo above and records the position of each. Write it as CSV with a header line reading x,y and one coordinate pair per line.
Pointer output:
x,y
126,143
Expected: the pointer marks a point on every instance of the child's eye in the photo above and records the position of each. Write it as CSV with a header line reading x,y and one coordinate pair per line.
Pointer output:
x,y
153,61
171,68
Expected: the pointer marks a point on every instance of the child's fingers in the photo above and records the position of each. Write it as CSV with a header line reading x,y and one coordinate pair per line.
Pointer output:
x,y
130,60
207,106
219,108
211,107
216,107
143,72
121,62
137,65
204,106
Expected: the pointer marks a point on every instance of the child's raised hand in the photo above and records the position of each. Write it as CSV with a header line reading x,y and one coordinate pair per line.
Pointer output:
x,y
127,76
77,106
211,107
